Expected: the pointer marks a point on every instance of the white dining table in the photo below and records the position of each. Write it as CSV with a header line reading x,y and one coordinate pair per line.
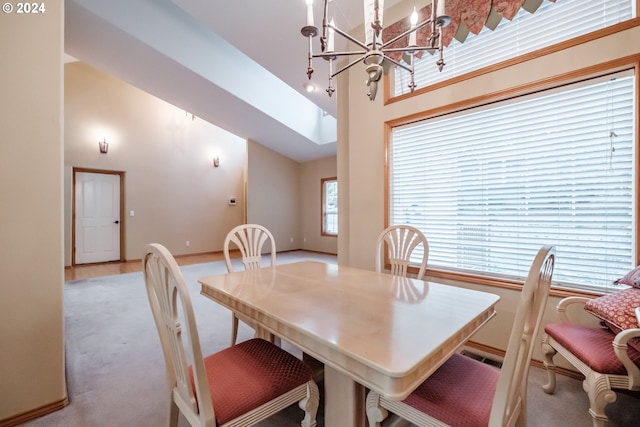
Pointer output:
x,y
371,330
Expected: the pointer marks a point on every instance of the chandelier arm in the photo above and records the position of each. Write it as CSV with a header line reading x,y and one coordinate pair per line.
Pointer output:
x,y
406,33
348,36
412,83
396,63
440,62
326,55
310,58
323,39
330,89
410,49
377,26
349,65
376,52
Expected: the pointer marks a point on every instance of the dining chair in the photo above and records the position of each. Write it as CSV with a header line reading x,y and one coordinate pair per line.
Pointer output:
x,y
465,392
238,386
401,241
250,240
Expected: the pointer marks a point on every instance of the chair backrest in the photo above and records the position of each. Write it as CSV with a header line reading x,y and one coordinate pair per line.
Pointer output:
x,y
401,241
250,239
171,307
511,390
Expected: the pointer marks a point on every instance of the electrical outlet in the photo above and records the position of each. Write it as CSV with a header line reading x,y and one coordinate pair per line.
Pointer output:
x,y
188,243
291,240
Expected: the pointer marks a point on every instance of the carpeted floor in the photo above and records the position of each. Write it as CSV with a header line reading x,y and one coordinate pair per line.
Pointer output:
x,y
116,373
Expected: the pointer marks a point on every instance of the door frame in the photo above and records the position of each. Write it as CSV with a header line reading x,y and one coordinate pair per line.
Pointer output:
x,y
73,209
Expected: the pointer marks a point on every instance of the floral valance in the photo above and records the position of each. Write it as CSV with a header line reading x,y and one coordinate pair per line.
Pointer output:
x,y
466,16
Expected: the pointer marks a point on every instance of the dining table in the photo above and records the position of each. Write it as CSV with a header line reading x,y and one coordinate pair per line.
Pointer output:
x,y
370,330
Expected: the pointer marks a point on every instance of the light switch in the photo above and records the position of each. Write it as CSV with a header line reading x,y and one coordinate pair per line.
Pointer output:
x,y
132,213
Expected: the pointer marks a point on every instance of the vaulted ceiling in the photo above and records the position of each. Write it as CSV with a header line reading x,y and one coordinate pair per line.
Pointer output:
x,y
240,65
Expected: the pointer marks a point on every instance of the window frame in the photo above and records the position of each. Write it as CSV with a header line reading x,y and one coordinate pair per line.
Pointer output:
x,y
323,208
390,98
632,62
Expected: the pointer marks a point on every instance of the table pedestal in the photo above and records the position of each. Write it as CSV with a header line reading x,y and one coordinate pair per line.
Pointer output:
x,y
344,400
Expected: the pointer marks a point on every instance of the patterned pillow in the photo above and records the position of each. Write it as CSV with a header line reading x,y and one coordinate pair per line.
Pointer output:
x,y
632,278
617,309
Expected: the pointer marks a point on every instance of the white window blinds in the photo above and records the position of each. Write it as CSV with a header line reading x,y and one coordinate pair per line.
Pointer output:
x,y
550,24
489,186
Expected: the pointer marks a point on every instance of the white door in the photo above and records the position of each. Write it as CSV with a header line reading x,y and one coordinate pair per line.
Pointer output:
x,y
97,223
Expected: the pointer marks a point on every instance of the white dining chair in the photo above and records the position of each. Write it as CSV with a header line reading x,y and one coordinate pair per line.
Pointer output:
x,y
238,386
400,242
250,240
465,392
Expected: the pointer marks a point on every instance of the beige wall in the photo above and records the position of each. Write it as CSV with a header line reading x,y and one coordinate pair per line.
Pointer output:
x,y
170,183
273,188
31,319
283,195
361,150
311,174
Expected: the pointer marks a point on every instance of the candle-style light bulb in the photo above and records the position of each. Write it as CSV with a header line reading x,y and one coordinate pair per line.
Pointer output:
x,y
370,6
331,37
414,22
309,13
440,9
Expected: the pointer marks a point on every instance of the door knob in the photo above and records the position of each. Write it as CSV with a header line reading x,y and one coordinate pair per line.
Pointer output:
x,y
116,222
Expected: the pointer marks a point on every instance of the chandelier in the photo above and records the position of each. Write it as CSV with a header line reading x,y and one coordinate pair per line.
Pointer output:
x,y
374,51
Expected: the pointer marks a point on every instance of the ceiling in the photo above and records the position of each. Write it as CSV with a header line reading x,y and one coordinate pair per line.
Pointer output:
x,y
240,65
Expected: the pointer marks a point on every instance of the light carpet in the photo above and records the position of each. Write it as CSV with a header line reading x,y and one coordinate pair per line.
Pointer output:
x,y
116,372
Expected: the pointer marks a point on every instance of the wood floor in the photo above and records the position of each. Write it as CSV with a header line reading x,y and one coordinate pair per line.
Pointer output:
x,y
110,268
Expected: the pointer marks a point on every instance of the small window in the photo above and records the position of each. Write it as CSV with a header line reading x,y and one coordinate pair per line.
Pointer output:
x,y
329,206
569,18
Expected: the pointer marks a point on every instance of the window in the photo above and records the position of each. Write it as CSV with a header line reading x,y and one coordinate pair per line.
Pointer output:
x,y
560,21
329,206
490,185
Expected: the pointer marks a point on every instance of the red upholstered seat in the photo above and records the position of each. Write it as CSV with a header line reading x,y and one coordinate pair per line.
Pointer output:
x,y
464,392
460,393
608,360
592,346
250,374
245,383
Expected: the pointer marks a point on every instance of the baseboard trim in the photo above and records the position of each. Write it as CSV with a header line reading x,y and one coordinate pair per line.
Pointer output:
x,y
34,413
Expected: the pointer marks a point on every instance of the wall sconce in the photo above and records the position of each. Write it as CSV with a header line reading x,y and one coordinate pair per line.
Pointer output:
x,y
104,146
216,161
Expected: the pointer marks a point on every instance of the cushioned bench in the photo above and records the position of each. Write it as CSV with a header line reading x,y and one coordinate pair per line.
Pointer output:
x,y
608,356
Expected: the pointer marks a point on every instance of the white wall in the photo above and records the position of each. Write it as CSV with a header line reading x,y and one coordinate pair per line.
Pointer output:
x,y
32,373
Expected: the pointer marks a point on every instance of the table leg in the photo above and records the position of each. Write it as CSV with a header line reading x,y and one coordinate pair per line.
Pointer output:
x,y
266,335
344,400
316,366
